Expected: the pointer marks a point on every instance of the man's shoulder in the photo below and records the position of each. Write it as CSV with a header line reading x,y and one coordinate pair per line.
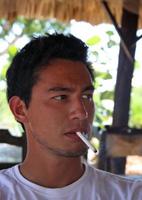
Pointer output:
x,y
7,170
112,185
104,176
6,176
7,183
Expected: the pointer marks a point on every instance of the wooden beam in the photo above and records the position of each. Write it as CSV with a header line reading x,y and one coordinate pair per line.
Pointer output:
x,y
123,145
6,137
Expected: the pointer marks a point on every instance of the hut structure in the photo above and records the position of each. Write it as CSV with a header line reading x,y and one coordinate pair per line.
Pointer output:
x,y
126,15
82,10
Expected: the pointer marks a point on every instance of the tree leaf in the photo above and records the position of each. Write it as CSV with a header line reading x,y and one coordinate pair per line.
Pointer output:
x,y
3,71
12,50
111,43
93,40
109,33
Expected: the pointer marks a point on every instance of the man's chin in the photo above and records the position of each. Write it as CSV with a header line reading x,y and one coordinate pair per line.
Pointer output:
x,y
69,153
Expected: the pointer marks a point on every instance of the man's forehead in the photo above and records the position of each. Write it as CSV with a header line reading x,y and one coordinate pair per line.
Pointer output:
x,y
65,74
64,65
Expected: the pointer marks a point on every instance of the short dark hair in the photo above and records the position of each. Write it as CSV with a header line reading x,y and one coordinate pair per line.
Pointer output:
x,y
23,71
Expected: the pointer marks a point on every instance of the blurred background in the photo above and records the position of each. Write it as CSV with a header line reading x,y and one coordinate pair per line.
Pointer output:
x,y
113,34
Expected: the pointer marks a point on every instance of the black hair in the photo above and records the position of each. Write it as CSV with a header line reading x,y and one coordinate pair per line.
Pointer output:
x,y
23,71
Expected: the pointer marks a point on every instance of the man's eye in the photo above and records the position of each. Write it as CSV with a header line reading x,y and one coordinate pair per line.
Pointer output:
x,y
60,97
87,97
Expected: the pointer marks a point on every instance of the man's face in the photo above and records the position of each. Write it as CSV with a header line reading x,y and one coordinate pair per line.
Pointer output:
x,y
61,104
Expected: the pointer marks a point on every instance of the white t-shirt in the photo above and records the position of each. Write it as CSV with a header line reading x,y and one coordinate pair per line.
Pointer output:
x,y
93,185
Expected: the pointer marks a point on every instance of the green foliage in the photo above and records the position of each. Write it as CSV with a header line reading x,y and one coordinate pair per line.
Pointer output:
x,y
137,64
3,72
109,33
4,28
102,98
103,75
12,50
136,108
107,95
93,40
38,27
111,43
6,117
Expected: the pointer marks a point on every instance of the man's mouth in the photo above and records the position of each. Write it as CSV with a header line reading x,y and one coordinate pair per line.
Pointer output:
x,y
73,136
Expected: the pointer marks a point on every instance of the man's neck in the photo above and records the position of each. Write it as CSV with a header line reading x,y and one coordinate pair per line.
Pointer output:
x,y
52,172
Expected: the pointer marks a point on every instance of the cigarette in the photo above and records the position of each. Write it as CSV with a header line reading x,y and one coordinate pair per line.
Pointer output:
x,y
88,144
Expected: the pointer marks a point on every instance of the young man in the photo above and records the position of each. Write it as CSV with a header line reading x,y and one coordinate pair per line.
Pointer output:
x,y
50,89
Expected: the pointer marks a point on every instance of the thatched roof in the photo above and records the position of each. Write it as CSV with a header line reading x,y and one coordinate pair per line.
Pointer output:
x,y
64,10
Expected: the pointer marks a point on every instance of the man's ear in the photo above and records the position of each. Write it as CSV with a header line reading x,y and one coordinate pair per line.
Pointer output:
x,y
18,109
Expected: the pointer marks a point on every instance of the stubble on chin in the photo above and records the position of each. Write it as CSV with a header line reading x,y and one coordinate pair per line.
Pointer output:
x,y
58,151
67,153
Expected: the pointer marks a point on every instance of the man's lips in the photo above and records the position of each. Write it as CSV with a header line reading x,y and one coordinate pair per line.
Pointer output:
x,y
79,129
72,135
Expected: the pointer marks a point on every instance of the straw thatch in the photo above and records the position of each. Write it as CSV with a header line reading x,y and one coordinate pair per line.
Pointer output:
x,y
64,10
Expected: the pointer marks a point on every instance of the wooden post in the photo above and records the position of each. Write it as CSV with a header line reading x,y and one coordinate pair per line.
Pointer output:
x,y
124,79
125,70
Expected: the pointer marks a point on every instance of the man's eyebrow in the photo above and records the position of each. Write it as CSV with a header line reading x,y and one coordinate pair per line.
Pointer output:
x,y
59,89
67,89
89,88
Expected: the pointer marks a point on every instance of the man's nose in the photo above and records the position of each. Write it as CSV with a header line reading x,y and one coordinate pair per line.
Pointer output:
x,y
78,110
